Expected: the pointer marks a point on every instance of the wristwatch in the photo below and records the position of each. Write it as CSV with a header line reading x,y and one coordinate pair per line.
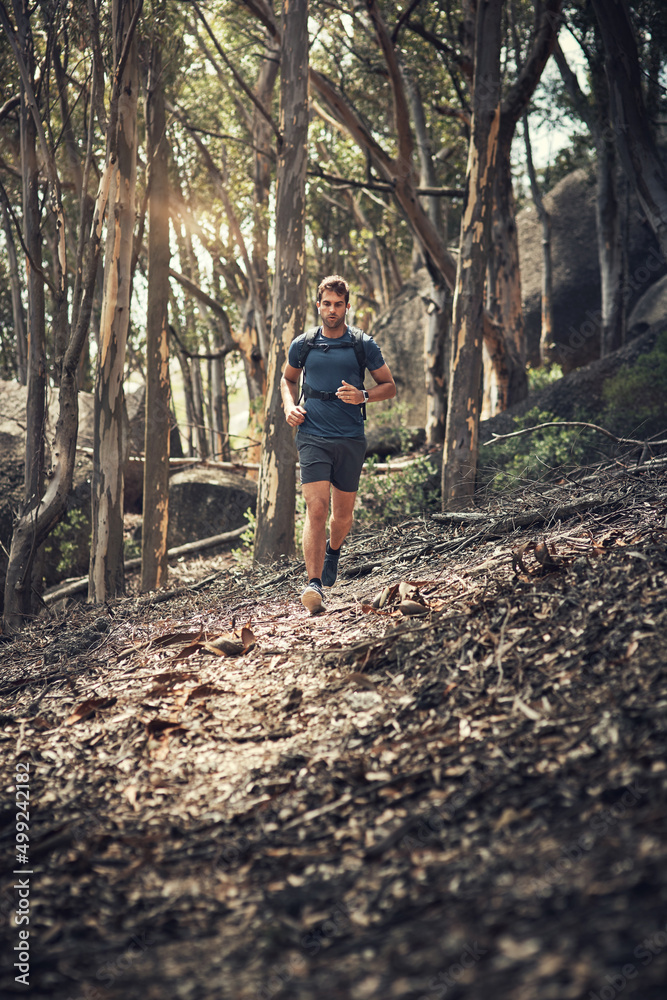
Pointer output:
x,y
365,392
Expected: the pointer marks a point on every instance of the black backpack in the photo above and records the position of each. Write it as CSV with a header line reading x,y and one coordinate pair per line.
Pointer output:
x,y
357,343
357,336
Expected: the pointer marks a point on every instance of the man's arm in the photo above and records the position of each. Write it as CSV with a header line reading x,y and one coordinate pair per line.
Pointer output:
x,y
289,393
385,388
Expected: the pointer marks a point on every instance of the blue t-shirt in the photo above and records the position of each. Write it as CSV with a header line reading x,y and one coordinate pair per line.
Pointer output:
x,y
329,361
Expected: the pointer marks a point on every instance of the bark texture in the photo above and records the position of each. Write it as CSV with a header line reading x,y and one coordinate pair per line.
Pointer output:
x,y
463,410
277,486
154,563
107,578
635,142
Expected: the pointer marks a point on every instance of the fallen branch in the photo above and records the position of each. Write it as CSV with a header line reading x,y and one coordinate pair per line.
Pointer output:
x,y
574,423
187,463
76,586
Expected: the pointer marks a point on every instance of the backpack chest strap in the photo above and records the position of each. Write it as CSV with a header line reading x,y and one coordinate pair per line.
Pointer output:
x,y
311,393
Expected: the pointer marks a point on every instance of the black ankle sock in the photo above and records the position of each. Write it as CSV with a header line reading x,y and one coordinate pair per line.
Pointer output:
x,y
315,579
334,552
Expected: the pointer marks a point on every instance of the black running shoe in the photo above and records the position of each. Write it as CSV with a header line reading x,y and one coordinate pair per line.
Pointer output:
x,y
330,568
313,598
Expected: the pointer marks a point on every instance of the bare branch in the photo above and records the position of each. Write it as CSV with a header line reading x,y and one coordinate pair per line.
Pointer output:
x,y
575,423
237,76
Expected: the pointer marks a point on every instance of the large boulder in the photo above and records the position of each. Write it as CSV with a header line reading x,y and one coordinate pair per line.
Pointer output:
x,y
650,310
399,332
576,272
579,394
67,549
205,501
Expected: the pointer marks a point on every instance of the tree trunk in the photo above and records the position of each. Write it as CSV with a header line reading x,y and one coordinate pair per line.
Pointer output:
x,y
435,337
505,273
546,326
437,368
107,578
640,157
255,327
504,286
32,237
277,487
611,211
221,449
198,406
459,466
155,521
36,358
18,312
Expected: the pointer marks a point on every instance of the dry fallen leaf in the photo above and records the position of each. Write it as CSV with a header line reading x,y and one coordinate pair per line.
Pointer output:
x,y
157,728
412,608
88,708
361,680
546,559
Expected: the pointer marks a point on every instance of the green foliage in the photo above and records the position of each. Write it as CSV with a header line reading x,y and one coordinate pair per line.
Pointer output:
x,y
540,378
532,457
67,547
635,406
390,418
636,397
243,554
384,498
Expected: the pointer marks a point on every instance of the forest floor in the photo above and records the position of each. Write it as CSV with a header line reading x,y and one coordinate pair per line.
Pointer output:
x,y
230,799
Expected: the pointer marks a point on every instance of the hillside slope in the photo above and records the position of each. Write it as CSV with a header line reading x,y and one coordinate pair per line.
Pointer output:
x,y
469,802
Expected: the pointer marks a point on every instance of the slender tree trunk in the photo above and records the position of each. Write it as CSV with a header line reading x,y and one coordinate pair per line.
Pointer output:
x,y
106,577
220,401
277,485
640,157
18,312
504,305
437,367
198,406
611,212
33,482
255,324
463,410
546,326
509,353
32,236
155,521
437,329
191,309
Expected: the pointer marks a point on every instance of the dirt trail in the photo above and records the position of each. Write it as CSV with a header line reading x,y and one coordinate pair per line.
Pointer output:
x,y
230,798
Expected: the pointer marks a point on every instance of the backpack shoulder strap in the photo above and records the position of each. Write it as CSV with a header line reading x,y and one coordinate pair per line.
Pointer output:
x,y
358,344
307,344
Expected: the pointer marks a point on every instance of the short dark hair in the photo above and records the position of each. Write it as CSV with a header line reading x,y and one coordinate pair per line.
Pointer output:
x,y
334,283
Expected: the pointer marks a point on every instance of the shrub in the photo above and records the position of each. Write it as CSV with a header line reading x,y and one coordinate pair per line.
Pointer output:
x,y
531,457
636,397
384,498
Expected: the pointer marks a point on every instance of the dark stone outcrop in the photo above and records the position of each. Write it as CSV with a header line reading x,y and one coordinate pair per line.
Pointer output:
x,y
204,502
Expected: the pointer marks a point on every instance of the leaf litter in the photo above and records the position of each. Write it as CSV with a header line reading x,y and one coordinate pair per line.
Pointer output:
x,y
465,797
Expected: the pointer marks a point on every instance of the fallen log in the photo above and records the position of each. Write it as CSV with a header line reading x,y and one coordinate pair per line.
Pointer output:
x,y
76,586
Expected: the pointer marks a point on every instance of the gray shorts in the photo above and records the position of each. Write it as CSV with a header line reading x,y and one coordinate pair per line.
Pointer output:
x,y
331,460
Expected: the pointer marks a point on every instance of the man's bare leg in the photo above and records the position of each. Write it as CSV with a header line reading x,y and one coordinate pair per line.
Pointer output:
x,y
316,496
342,516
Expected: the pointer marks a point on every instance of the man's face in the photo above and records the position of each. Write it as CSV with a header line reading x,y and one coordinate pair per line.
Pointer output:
x,y
333,309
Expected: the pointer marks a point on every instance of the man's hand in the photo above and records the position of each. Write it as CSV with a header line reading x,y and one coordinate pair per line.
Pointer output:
x,y
295,416
350,394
